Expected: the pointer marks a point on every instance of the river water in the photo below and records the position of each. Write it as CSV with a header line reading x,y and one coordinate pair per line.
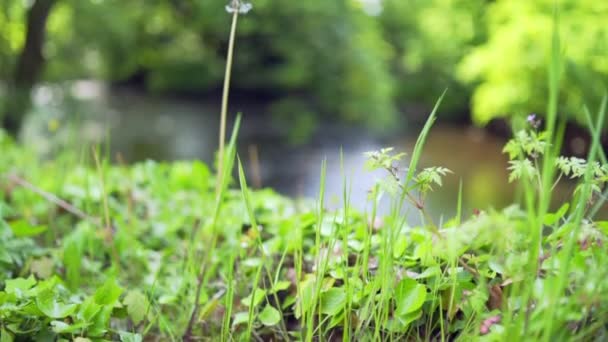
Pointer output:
x,y
144,127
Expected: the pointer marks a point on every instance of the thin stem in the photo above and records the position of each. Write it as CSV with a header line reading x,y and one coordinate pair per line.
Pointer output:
x,y
56,200
106,209
538,178
557,181
224,110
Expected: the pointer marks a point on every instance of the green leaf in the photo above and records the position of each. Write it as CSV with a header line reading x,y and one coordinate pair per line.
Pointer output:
x,y
88,310
19,286
108,293
257,299
399,246
404,321
51,306
409,296
137,305
62,327
333,300
240,318
305,296
129,337
521,169
100,322
280,286
269,316
22,228
429,272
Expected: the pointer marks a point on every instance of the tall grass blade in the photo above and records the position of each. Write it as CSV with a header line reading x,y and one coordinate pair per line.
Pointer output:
x,y
421,140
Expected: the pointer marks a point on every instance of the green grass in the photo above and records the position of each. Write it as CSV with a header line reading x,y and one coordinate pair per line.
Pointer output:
x,y
186,262
172,251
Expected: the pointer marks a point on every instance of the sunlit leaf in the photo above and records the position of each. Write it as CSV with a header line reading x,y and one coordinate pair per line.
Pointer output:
x,y
108,293
409,296
22,228
52,306
19,286
257,298
269,316
137,305
333,301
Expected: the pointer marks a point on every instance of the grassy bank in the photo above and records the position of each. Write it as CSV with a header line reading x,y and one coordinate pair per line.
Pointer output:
x,y
95,251
159,251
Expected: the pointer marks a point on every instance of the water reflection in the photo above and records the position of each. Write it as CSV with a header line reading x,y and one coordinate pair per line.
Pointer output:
x,y
142,127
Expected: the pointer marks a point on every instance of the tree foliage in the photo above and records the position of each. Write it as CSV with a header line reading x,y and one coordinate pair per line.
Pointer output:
x,y
333,57
509,70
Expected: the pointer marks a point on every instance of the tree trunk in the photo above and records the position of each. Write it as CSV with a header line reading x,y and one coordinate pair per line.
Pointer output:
x,y
28,68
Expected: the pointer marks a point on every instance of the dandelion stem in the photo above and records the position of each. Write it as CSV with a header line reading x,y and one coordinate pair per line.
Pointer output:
x,y
224,110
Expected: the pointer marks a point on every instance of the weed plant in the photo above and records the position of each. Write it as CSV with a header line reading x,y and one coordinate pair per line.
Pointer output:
x,y
171,251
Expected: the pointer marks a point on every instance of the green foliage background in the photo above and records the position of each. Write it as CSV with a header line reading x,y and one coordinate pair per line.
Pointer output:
x,y
334,58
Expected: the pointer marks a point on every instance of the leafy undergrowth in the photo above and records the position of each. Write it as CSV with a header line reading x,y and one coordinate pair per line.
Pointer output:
x,y
154,252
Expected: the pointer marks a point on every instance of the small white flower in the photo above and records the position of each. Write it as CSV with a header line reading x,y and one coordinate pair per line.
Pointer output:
x,y
242,7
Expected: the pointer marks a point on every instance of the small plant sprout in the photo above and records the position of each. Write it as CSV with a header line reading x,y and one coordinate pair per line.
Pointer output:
x,y
526,148
423,181
429,176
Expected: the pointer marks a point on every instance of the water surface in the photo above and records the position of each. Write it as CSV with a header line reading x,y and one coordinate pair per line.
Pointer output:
x,y
144,127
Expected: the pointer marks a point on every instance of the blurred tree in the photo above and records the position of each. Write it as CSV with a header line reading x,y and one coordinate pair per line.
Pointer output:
x,y
430,38
29,63
311,56
509,70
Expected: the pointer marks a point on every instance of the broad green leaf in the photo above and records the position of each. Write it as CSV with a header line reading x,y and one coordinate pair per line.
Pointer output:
x,y
333,300
52,306
19,286
108,293
409,296
22,228
269,316
137,305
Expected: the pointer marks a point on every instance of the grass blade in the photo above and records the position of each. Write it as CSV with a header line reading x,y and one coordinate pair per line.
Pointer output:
x,y
422,139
